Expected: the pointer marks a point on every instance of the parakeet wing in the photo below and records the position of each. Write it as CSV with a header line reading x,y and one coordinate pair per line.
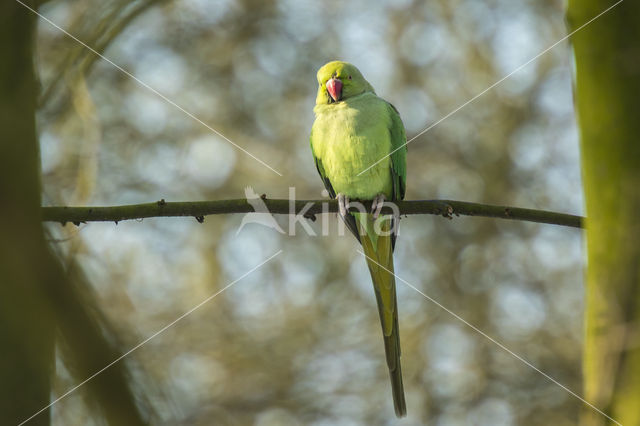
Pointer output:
x,y
398,163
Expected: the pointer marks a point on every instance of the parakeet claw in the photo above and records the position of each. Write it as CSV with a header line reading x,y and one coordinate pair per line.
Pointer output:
x,y
376,205
343,204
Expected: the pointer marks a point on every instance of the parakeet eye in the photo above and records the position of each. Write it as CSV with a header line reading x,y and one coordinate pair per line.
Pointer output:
x,y
349,77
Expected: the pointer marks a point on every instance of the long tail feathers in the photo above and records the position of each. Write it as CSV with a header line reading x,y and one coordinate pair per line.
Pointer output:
x,y
379,251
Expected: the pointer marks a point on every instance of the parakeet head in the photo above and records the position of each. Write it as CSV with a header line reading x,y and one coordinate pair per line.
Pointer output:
x,y
339,81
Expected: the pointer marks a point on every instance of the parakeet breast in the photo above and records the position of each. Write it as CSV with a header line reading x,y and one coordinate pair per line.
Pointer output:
x,y
349,137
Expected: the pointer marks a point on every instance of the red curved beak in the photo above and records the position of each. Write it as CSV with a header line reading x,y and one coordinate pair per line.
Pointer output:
x,y
334,87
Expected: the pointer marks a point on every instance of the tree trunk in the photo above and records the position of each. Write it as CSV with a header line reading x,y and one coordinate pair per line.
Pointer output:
x,y
26,322
607,54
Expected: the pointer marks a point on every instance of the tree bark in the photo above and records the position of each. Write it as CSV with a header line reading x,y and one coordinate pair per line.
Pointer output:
x,y
607,55
26,321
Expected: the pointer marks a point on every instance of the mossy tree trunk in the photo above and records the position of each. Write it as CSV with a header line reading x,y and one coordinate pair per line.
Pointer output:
x,y
26,321
607,54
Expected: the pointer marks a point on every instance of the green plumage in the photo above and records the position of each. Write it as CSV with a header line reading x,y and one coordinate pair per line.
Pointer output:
x,y
350,134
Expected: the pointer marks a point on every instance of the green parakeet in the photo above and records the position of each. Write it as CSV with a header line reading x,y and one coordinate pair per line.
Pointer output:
x,y
354,129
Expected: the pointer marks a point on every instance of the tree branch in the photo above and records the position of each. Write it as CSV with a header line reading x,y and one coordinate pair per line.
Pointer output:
x,y
309,208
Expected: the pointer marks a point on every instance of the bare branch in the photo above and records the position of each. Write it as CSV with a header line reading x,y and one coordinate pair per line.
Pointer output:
x,y
199,209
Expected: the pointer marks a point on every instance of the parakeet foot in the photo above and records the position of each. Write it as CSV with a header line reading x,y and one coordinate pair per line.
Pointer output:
x,y
376,205
343,204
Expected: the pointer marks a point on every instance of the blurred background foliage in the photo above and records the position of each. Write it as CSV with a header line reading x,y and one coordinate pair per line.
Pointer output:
x,y
298,340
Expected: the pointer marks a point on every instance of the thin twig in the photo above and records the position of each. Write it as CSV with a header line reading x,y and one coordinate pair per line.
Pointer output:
x,y
309,208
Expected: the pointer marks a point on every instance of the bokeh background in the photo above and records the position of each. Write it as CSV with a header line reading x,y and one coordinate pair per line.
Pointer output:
x,y
298,341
